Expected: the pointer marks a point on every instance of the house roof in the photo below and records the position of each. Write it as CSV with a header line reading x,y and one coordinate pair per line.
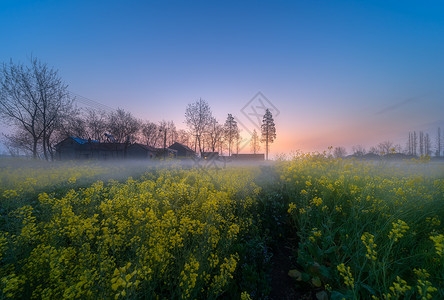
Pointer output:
x,y
82,141
176,144
146,147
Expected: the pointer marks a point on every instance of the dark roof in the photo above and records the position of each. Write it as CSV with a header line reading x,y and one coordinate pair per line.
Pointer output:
x,y
146,147
82,141
176,144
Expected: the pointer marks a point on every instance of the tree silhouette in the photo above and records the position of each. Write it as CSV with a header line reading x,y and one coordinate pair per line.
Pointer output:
x,y
268,130
231,132
198,117
254,143
34,100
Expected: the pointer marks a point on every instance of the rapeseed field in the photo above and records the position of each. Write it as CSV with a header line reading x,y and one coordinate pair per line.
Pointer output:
x,y
169,231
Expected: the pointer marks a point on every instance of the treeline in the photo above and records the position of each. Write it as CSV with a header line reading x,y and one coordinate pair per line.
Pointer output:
x,y
42,112
418,144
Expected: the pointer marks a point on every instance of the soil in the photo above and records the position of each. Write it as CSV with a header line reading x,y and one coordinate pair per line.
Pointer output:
x,y
283,287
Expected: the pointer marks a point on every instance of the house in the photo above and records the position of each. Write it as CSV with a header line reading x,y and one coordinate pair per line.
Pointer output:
x,y
78,148
182,150
140,151
210,155
166,153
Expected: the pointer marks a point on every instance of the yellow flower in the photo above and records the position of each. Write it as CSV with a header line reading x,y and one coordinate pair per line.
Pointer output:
x,y
346,274
368,240
439,243
399,228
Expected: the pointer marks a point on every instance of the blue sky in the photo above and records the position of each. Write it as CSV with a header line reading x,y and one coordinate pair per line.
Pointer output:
x,y
340,72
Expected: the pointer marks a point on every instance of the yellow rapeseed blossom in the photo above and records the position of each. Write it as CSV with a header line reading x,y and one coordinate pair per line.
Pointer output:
x,y
439,243
368,240
316,201
291,207
399,228
346,274
399,287
315,234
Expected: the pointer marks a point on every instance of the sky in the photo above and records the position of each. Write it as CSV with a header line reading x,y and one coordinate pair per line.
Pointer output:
x,y
335,73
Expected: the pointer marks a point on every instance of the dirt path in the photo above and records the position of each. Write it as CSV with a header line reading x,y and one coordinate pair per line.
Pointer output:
x,y
282,286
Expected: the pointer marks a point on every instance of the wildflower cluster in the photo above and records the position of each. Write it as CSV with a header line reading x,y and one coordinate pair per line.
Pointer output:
x,y
368,240
439,243
399,228
346,274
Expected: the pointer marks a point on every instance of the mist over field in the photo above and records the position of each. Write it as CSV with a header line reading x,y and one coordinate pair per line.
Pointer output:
x,y
221,150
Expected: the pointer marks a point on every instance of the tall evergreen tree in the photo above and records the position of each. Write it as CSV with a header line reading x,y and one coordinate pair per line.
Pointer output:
x,y
268,131
231,132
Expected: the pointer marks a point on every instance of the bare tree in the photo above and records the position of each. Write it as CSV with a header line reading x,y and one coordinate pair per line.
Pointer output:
x,y
172,132
359,150
421,143
374,150
198,116
231,132
427,145
96,124
168,133
215,132
255,142
414,142
385,147
238,141
150,134
17,143
438,143
123,125
33,99
184,137
339,152
268,129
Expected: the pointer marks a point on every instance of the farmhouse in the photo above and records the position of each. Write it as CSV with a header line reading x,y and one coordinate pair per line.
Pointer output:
x,y
182,150
78,148
141,151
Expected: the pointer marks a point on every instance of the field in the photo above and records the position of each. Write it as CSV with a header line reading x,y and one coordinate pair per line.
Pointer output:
x,y
355,230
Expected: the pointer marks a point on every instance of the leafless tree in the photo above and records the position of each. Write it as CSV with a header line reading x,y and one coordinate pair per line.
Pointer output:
x,y
358,150
215,132
17,143
385,147
414,142
421,143
374,150
438,143
427,144
168,133
123,125
255,142
35,100
96,124
198,116
339,152
150,134
184,137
